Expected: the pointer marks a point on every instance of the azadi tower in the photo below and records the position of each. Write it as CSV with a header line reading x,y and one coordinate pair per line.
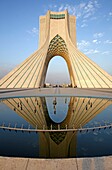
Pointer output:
x,y
57,37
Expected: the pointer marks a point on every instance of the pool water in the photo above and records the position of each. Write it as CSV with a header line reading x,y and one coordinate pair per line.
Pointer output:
x,y
56,113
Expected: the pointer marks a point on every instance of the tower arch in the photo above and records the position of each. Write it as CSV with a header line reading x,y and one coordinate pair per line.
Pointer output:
x,y
58,47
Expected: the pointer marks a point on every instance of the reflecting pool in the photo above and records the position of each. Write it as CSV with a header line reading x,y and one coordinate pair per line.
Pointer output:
x,y
82,127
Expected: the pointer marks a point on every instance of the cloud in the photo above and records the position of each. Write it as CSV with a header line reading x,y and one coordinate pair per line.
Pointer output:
x,y
55,6
87,15
33,32
86,10
83,44
107,42
110,13
105,52
91,51
84,25
89,9
61,7
96,41
98,35
93,18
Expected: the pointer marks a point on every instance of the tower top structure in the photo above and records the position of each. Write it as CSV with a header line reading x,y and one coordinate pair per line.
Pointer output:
x,y
60,23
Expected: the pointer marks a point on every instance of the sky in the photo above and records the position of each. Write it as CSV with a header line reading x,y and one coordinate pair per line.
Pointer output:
x,y
19,33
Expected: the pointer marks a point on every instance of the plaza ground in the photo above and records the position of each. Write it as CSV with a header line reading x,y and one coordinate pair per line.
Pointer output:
x,y
87,92
96,163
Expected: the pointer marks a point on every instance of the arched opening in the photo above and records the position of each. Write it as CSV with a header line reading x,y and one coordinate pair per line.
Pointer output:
x,y
57,72
57,47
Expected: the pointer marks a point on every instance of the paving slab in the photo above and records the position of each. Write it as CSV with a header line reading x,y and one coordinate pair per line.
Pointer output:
x,y
85,164
108,163
99,163
52,164
13,163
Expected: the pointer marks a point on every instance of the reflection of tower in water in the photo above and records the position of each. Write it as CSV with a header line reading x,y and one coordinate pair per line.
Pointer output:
x,y
57,144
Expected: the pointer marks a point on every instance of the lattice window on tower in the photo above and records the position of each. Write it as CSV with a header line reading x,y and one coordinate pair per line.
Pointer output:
x,y
54,16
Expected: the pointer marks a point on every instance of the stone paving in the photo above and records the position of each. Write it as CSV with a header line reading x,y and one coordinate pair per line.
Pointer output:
x,y
97,163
